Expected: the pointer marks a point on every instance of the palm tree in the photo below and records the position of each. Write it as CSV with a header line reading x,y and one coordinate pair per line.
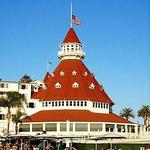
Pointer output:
x,y
11,100
17,118
127,113
144,112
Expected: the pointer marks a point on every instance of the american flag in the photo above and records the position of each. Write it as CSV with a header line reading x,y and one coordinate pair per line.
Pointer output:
x,y
50,62
75,20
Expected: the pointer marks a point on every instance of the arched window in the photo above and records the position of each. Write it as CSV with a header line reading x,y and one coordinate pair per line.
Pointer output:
x,y
46,104
66,103
70,103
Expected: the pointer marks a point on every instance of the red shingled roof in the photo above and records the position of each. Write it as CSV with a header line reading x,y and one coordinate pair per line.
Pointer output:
x,y
83,77
74,116
71,37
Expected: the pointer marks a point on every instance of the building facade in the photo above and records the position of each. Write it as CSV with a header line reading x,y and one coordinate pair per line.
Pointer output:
x,y
72,101
24,88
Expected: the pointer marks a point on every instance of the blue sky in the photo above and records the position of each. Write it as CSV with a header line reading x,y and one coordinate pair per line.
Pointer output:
x,y
115,34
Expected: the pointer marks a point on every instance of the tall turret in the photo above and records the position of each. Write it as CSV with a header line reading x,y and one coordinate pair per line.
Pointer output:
x,y
71,47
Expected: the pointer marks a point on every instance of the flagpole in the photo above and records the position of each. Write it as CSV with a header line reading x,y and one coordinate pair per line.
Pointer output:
x,y
71,15
47,66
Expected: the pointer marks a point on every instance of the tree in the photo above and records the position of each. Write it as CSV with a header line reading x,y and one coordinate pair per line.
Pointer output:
x,y
144,112
17,118
25,79
11,100
127,113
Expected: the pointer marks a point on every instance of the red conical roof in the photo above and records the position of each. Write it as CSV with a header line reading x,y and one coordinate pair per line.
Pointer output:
x,y
71,37
68,73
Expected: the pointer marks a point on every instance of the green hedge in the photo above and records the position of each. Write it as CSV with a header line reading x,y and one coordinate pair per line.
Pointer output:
x,y
84,146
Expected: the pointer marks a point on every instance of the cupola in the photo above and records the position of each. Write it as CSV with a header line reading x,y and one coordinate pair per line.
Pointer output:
x,y
71,47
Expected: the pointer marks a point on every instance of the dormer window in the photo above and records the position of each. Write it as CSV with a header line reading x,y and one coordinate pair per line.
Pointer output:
x,y
36,88
85,73
57,85
92,86
74,73
52,74
62,73
75,85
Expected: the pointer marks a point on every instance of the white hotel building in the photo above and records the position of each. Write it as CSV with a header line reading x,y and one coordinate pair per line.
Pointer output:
x,y
70,101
